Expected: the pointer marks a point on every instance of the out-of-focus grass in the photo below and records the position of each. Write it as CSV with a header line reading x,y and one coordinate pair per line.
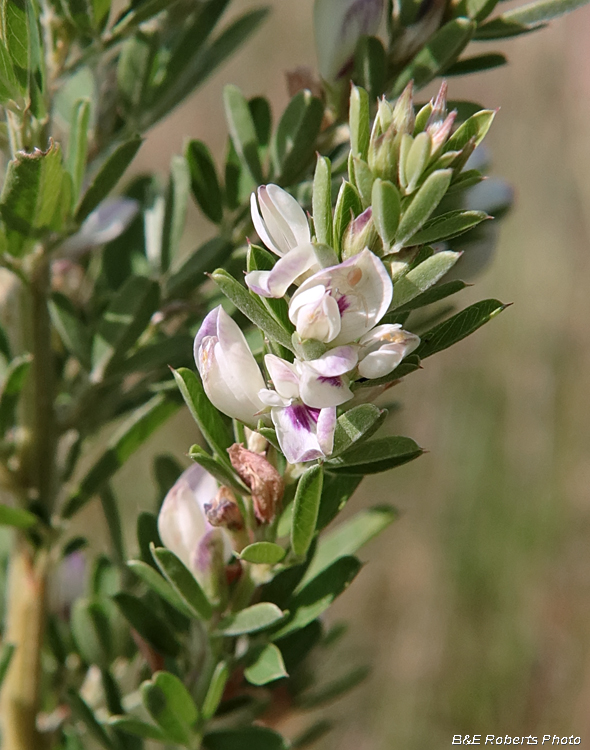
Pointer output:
x,y
475,608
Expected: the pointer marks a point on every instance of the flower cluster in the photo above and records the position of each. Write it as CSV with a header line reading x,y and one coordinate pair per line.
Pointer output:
x,y
338,307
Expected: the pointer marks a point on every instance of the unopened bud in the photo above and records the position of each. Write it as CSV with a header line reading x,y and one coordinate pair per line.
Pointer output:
x,y
360,233
224,511
265,483
384,154
403,118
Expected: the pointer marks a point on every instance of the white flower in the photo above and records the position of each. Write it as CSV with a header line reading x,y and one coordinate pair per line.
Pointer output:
x,y
339,24
231,378
184,528
382,349
282,226
340,304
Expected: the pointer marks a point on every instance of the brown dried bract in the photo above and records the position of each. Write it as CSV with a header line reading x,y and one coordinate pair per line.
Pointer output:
x,y
264,481
224,511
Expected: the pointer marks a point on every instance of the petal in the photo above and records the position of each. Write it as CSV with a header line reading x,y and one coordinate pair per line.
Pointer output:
x,y
260,227
181,521
336,361
383,348
296,427
275,283
208,328
276,225
272,398
379,363
325,430
283,375
379,335
319,319
319,391
291,212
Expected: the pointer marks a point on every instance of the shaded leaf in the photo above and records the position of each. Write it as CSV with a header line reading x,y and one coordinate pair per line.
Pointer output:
x,y
476,64
183,582
260,738
293,146
447,225
204,181
355,425
263,553
422,277
159,585
148,624
215,690
137,728
267,667
305,512
375,456
19,518
251,620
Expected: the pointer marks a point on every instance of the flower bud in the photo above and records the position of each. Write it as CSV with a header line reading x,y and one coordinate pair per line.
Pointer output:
x,y
264,481
185,529
339,24
224,511
382,349
403,117
359,234
231,378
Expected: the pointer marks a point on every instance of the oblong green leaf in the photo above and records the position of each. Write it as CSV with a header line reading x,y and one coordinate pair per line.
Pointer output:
x,y
78,145
136,727
293,146
476,64
163,712
348,206
376,456
251,620
359,122
108,176
252,309
263,553
184,280
448,225
204,181
454,329
183,582
306,508
215,690
210,423
422,205
258,738
541,11
267,667
355,425
441,291
72,331
160,585
17,517
177,696
148,624
322,200
386,210
421,278
242,131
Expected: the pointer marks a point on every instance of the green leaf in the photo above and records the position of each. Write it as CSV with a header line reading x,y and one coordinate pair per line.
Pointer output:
x,y
322,200
422,277
432,295
294,144
215,690
133,433
204,181
163,352
137,728
476,64
267,667
108,176
478,10
252,309
92,631
78,145
448,225
31,196
147,534
363,179
82,711
177,696
220,470
183,582
458,327
148,624
359,122
440,52
422,205
348,537
305,512
348,206
256,738
175,213
337,491
243,131
413,162
251,620
184,280
10,88
329,692
541,11
17,517
314,598
163,712
355,425
160,585
376,456
6,655
210,423
371,65
386,210
500,28
15,378
476,127
71,329
123,322
136,14
263,553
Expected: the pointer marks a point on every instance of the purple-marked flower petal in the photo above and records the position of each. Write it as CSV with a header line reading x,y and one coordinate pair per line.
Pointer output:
x,y
296,427
337,361
284,376
231,377
321,391
325,430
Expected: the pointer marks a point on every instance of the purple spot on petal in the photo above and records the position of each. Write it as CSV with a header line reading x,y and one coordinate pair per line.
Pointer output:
x,y
335,381
343,304
302,417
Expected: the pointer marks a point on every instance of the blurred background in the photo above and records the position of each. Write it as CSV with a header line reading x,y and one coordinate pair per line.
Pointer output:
x,y
475,608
